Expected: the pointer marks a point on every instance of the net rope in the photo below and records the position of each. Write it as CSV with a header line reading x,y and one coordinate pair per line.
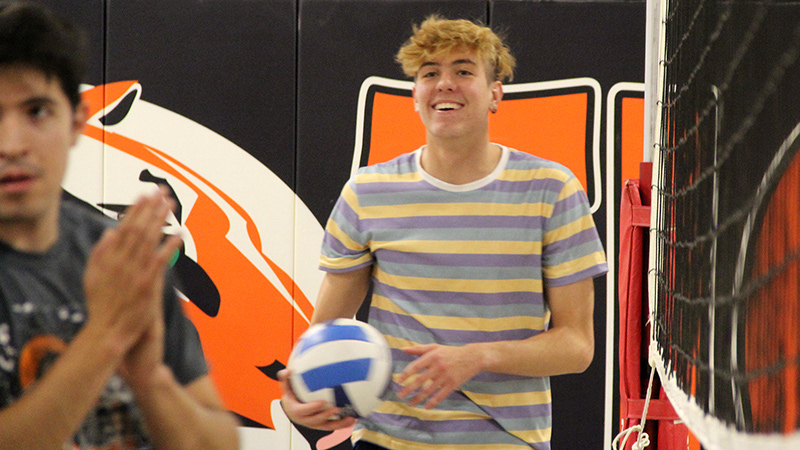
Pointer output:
x,y
725,257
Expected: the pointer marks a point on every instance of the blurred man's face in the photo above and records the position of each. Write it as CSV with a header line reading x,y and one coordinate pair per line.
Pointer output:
x,y
38,126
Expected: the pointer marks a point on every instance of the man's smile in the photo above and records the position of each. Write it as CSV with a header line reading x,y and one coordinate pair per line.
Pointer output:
x,y
447,106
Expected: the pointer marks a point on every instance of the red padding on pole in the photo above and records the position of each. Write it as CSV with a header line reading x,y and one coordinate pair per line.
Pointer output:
x,y
634,224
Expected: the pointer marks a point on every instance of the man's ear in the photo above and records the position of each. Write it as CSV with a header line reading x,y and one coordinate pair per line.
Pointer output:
x,y
497,96
79,117
497,91
414,97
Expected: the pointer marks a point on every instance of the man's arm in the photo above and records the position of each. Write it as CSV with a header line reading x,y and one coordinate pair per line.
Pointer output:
x,y
340,296
567,347
177,417
123,283
50,411
185,417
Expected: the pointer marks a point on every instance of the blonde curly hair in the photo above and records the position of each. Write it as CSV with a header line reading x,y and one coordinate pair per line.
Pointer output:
x,y
437,36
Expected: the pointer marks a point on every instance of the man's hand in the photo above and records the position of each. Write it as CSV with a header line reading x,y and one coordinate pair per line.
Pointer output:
x,y
140,365
318,415
437,372
124,276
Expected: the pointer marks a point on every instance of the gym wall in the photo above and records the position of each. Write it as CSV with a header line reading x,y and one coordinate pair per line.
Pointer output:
x,y
256,112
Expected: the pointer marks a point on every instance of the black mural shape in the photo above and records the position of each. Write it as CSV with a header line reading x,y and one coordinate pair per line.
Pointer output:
x,y
193,280
272,369
120,111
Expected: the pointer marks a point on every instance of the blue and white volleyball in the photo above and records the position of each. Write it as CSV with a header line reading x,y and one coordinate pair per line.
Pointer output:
x,y
344,362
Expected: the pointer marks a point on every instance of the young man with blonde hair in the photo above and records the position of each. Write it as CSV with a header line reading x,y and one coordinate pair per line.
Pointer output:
x,y
481,259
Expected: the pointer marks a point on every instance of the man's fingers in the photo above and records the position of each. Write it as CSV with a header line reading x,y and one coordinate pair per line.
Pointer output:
x,y
418,382
139,237
436,399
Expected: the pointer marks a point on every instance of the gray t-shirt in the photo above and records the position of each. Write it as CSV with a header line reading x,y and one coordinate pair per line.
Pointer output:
x,y
42,307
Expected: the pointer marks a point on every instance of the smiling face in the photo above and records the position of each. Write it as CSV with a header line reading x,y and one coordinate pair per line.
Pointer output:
x,y
454,96
38,126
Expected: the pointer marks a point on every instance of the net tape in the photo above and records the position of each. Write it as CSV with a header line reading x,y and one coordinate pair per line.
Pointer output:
x,y
730,73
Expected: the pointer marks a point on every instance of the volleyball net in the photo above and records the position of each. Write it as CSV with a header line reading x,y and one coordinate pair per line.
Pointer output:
x,y
724,275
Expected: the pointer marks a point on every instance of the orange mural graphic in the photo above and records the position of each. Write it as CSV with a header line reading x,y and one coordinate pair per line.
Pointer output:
x,y
247,320
631,136
247,336
558,121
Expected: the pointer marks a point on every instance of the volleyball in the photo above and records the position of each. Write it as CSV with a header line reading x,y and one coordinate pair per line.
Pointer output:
x,y
344,362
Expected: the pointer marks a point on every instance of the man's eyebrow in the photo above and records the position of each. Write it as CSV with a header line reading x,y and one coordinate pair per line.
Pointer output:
x,y
38,100
454,63
463,61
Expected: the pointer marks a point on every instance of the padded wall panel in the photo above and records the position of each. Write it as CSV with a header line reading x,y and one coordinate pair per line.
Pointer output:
x,y
89,16
603,41
199,96
257,98
226,64
341,44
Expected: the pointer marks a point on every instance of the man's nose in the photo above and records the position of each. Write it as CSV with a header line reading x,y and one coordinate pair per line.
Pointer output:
x,y
446,82
12,137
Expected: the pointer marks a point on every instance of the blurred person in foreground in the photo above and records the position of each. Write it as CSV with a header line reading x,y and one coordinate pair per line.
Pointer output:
x,y
95,352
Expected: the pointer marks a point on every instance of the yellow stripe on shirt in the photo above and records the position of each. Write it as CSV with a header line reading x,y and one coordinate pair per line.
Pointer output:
x,y
453,209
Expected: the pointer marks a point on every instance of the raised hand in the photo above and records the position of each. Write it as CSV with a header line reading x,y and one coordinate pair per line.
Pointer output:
x,y
124,276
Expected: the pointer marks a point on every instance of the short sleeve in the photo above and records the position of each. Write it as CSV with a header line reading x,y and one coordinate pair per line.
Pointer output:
x,y
345,246
183,352
572,250
9,384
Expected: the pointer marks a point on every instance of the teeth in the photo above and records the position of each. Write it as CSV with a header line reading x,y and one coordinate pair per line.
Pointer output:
x,y
447,106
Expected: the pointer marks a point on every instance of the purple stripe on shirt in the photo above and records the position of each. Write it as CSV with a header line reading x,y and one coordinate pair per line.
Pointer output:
x,y
345,270
343,209
567,205
519,411
576,240
336,245
379,187
437,426
459,259
493,377
458,298
583,274
537,185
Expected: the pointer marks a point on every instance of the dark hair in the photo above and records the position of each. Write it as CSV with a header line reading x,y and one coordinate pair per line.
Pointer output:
x,y
32,35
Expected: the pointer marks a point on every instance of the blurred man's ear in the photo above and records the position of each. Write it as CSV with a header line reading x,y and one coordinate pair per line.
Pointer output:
x,y
79,117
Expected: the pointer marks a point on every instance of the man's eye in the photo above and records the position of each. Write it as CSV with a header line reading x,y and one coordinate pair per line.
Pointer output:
x,y
38,112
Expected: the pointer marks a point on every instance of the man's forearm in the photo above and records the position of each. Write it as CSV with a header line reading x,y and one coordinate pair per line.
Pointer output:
x,y
341,294
51,411
557,351
185,417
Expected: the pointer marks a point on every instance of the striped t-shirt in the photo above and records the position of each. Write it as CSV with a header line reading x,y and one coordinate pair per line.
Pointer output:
x,y
455,264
